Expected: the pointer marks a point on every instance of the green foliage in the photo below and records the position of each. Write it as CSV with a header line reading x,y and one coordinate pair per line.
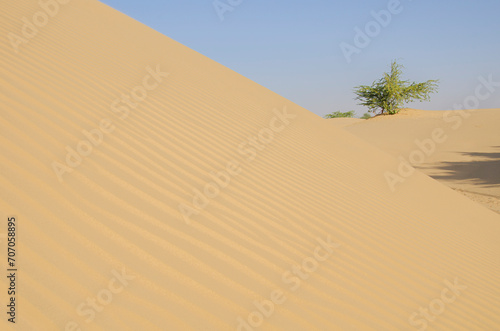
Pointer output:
x,y
338,114
389,93
366,116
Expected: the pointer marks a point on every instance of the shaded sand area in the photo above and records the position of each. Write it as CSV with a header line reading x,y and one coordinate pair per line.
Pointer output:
x,y
465,157
154,189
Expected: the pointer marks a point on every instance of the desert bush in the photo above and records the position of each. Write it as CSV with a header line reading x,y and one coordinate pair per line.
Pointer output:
x,y
338,114
390,93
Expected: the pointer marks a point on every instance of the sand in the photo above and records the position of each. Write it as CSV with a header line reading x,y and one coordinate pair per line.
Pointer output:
x,y
467,159
299,229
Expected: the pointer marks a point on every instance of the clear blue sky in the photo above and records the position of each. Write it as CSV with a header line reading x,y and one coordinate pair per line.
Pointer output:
x,y
293,47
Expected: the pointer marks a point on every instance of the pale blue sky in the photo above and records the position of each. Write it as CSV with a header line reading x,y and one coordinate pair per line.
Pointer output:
x,y
293,47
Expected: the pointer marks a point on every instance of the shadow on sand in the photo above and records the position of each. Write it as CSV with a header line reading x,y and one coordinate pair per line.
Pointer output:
x,y
483,171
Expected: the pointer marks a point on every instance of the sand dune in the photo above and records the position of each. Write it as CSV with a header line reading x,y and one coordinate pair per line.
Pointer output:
x,y
345,121
111,133
467,159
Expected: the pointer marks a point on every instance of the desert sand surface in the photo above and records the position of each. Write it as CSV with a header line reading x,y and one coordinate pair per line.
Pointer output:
x,y
467,158
343,122
110,134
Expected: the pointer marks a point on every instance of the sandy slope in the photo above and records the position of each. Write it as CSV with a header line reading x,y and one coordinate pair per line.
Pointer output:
x,y
108,249
343,122
466,159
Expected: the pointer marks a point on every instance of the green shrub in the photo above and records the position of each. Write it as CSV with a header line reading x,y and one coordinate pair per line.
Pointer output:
x,y
338,114
389,93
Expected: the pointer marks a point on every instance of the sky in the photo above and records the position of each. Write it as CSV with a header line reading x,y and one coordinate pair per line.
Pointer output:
x,y
315,52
